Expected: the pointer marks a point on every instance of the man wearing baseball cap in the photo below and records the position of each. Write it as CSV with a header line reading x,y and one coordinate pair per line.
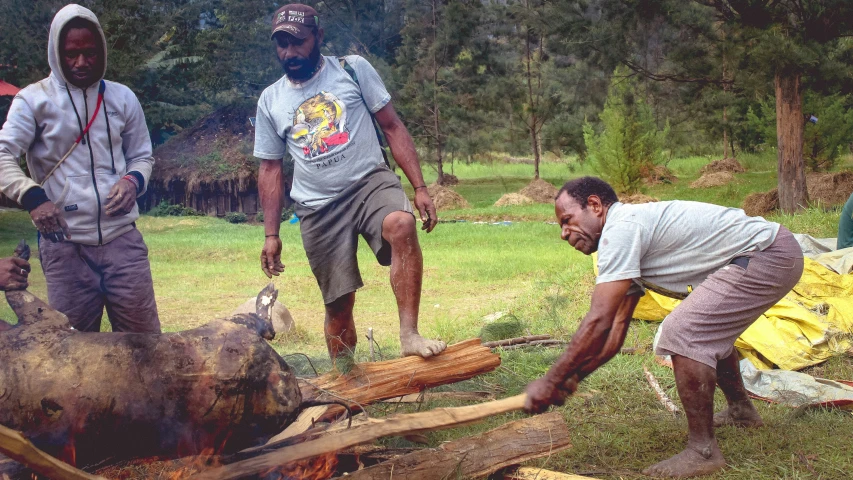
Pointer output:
x,y
320,114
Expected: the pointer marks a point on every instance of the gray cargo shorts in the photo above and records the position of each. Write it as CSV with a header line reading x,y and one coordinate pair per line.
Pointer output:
x,y
706,324
330,232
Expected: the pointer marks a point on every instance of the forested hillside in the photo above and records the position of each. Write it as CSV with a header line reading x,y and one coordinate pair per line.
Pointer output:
x,y
509,78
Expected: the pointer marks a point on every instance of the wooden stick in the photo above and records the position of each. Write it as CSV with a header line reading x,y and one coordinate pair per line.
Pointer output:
x,y
428,396
392,426
662,396
474,457
515,341
370,342
537,343
18,448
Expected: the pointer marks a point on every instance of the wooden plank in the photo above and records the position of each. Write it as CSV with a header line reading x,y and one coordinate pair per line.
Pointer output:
x,y
480,455
392,426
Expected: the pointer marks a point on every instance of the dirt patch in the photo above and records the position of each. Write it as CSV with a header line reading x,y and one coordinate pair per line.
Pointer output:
x,y
511,199
636,198
714,179
829,189
539,191
724,165
761,204
446,199
657,174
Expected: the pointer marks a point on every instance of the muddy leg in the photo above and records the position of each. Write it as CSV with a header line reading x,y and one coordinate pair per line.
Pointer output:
x,y
696,383
740,412
340,331
399,230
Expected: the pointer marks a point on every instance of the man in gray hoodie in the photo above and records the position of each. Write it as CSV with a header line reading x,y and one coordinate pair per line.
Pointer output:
x,y
89,156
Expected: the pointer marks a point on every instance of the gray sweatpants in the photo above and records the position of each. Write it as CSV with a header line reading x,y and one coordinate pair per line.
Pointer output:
x,y
83,279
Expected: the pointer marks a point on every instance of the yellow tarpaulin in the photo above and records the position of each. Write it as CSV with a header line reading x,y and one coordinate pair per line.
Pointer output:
x,y
812,323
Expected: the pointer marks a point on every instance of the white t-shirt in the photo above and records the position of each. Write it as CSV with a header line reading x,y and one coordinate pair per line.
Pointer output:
x,y
325,126
672,247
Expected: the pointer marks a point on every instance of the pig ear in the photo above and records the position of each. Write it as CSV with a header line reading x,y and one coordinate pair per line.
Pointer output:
x,y
266,301
31,310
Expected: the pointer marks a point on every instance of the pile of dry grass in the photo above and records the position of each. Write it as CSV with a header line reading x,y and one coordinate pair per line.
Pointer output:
x,y
760,204
828,189
539,191
724,165
512,199
636,198
446,199
657,174
714,179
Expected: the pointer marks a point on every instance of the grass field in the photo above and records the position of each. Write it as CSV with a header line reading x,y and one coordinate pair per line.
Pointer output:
x,y
204,267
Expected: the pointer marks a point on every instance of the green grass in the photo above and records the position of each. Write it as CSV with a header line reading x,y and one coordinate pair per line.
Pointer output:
x,y
203,268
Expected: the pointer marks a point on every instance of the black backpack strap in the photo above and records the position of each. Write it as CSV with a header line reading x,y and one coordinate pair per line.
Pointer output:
x,y
382,144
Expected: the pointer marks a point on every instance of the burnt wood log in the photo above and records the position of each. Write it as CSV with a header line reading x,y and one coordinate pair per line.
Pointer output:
x,y
85,397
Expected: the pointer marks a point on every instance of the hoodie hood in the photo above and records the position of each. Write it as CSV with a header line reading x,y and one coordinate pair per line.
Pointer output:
x,y
61,18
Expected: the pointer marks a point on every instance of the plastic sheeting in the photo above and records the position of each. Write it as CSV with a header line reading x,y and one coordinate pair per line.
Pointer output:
x,y
811,324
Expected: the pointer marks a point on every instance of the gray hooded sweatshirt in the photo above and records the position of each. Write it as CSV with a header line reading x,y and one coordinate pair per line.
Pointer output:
x,y
45,119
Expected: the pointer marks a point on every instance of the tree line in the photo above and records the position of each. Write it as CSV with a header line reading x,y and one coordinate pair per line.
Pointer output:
x,y
615,82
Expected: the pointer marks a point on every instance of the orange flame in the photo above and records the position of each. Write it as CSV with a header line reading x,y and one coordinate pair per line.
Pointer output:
x,y
318,468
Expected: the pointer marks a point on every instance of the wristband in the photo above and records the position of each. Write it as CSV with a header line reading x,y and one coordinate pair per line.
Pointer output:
x,y
422,186
274,235
132,179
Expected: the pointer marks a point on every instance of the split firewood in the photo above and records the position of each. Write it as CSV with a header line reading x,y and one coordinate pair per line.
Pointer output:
x,y
368,383
515,341
84,397
533,473
480,455
18,448
371,382
662,396
392,426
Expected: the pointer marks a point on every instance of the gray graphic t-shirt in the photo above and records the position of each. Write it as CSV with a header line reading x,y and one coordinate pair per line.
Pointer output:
x,y
672,247
324,126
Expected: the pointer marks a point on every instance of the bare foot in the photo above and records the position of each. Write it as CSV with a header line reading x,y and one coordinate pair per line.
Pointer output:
x,y
691,462
739,415
413,344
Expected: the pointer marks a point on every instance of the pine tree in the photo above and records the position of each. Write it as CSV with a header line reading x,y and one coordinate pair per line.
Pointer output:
x,y
630,141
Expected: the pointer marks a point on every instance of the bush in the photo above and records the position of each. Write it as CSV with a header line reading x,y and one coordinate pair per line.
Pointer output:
x,y
235,217
285,215
630,142
165,209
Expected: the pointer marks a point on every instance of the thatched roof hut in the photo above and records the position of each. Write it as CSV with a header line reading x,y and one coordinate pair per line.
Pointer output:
x,y
209,166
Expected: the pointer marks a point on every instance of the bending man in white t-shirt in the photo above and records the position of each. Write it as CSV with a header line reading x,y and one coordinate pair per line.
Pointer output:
x,y
729,269
319,115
